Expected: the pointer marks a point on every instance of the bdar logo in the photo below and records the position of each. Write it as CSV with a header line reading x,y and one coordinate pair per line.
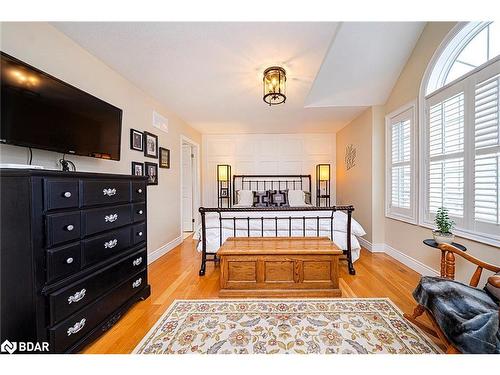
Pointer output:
x,y
8,346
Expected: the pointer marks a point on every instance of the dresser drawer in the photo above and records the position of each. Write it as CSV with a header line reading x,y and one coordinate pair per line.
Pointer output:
x,y
63,261
65,302
96,249
60,193
103,219
62,228
139,212
74,328
138,233
138,191
97,192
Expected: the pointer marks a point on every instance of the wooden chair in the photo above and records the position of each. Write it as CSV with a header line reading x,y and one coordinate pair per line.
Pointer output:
x,y
448,271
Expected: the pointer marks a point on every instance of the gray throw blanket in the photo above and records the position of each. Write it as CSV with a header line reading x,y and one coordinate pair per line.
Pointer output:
x,y
468,316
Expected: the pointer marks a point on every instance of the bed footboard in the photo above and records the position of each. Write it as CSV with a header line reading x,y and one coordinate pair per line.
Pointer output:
x,y
293,217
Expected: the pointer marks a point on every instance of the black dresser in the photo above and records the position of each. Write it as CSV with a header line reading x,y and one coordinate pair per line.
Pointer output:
x,y
73,254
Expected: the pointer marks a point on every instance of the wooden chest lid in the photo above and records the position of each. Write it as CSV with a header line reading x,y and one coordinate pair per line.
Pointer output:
x,y
279,245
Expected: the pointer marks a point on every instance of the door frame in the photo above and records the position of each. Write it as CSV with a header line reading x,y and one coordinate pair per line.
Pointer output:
x,y
196,181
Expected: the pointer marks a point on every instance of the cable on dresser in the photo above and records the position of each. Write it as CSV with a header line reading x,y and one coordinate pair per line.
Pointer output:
x,y
65,164
30,157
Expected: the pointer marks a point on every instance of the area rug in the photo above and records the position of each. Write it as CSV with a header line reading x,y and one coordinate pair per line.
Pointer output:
x,y
322,326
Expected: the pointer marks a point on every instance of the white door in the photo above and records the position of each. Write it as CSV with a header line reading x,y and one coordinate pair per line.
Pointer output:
x,y
187,189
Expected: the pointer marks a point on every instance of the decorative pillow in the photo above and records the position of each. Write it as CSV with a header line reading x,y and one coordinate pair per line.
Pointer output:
x,y
493,288
261,198
278,198
296,198
245,198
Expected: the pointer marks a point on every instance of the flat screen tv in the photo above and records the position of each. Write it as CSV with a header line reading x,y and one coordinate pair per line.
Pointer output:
x,y
41,111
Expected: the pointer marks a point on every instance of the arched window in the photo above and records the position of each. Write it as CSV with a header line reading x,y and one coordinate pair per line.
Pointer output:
x,y
460,132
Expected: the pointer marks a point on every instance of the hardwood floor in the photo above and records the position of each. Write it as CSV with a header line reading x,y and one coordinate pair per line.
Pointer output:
x,y
175,276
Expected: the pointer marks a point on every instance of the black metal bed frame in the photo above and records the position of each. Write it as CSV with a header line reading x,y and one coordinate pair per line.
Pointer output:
x,y
270,182
204,210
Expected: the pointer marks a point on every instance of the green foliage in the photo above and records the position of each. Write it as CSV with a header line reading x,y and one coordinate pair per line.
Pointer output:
x,y
443,222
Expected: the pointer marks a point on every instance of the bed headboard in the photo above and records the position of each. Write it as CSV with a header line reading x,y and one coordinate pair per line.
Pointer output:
x,y
271,182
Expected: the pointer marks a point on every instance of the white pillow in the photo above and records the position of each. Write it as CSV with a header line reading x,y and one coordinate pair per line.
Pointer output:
x,y
245,198
296,198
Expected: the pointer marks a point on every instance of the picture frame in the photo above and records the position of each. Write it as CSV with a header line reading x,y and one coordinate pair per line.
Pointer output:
x,y
151,171
137,169
150,145
136,140
164,157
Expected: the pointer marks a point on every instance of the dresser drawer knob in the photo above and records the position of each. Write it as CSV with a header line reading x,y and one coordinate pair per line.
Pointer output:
x,y
110,218
110,244
69,227
109,192
139,234
137,283
77,327
139,191
137,261
69,260
78,296
67,194
140,212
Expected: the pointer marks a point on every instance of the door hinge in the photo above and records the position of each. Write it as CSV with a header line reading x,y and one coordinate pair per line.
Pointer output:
x,y
192,156
193,220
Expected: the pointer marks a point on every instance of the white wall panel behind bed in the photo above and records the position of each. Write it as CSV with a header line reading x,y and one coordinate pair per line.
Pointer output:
x,y
265,154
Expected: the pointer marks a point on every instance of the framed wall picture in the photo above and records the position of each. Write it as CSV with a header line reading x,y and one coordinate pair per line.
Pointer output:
x,y
151,170
164,158
136,140
137,169
150,145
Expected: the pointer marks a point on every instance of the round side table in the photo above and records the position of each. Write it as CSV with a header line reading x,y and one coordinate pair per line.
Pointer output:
x,y
430,242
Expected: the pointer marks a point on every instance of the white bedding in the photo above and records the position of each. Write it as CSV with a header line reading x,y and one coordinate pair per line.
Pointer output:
x,y
339,233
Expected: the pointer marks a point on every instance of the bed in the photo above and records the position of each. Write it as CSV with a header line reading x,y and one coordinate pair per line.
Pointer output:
x,y
297,219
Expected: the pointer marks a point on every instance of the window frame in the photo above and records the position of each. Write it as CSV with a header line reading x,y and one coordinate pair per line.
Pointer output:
x,y
406,215
467,227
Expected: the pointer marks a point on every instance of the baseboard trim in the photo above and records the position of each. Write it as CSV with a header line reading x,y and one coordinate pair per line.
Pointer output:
x,y
154,255
372,247
408,261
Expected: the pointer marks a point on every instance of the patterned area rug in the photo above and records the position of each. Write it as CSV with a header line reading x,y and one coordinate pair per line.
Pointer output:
x,y
342,326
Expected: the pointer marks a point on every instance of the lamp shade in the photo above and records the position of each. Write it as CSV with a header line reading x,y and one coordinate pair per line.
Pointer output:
x,y
223,172
274,85
323,171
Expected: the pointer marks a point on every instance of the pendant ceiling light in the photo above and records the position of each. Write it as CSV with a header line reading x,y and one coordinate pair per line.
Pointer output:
x,y
274,85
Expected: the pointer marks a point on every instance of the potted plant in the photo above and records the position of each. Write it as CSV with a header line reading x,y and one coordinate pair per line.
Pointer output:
x,y
444,226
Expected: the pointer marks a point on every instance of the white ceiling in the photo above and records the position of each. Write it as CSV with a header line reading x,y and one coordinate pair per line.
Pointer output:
x,y
363,63
210,74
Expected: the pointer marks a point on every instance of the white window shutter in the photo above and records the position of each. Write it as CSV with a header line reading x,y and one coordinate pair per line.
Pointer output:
x,y
487,152
400,164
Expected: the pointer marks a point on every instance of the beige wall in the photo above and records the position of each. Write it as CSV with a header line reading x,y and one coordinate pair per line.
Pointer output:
x,y
354,186
46,48
404,237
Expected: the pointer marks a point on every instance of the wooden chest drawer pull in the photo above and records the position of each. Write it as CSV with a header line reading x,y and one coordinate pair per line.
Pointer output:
x,y
109,192
137,261
110,244
139,191
67,194
137,283
140,212
139,234
70,227
69,260
77,327
78,296
110,218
